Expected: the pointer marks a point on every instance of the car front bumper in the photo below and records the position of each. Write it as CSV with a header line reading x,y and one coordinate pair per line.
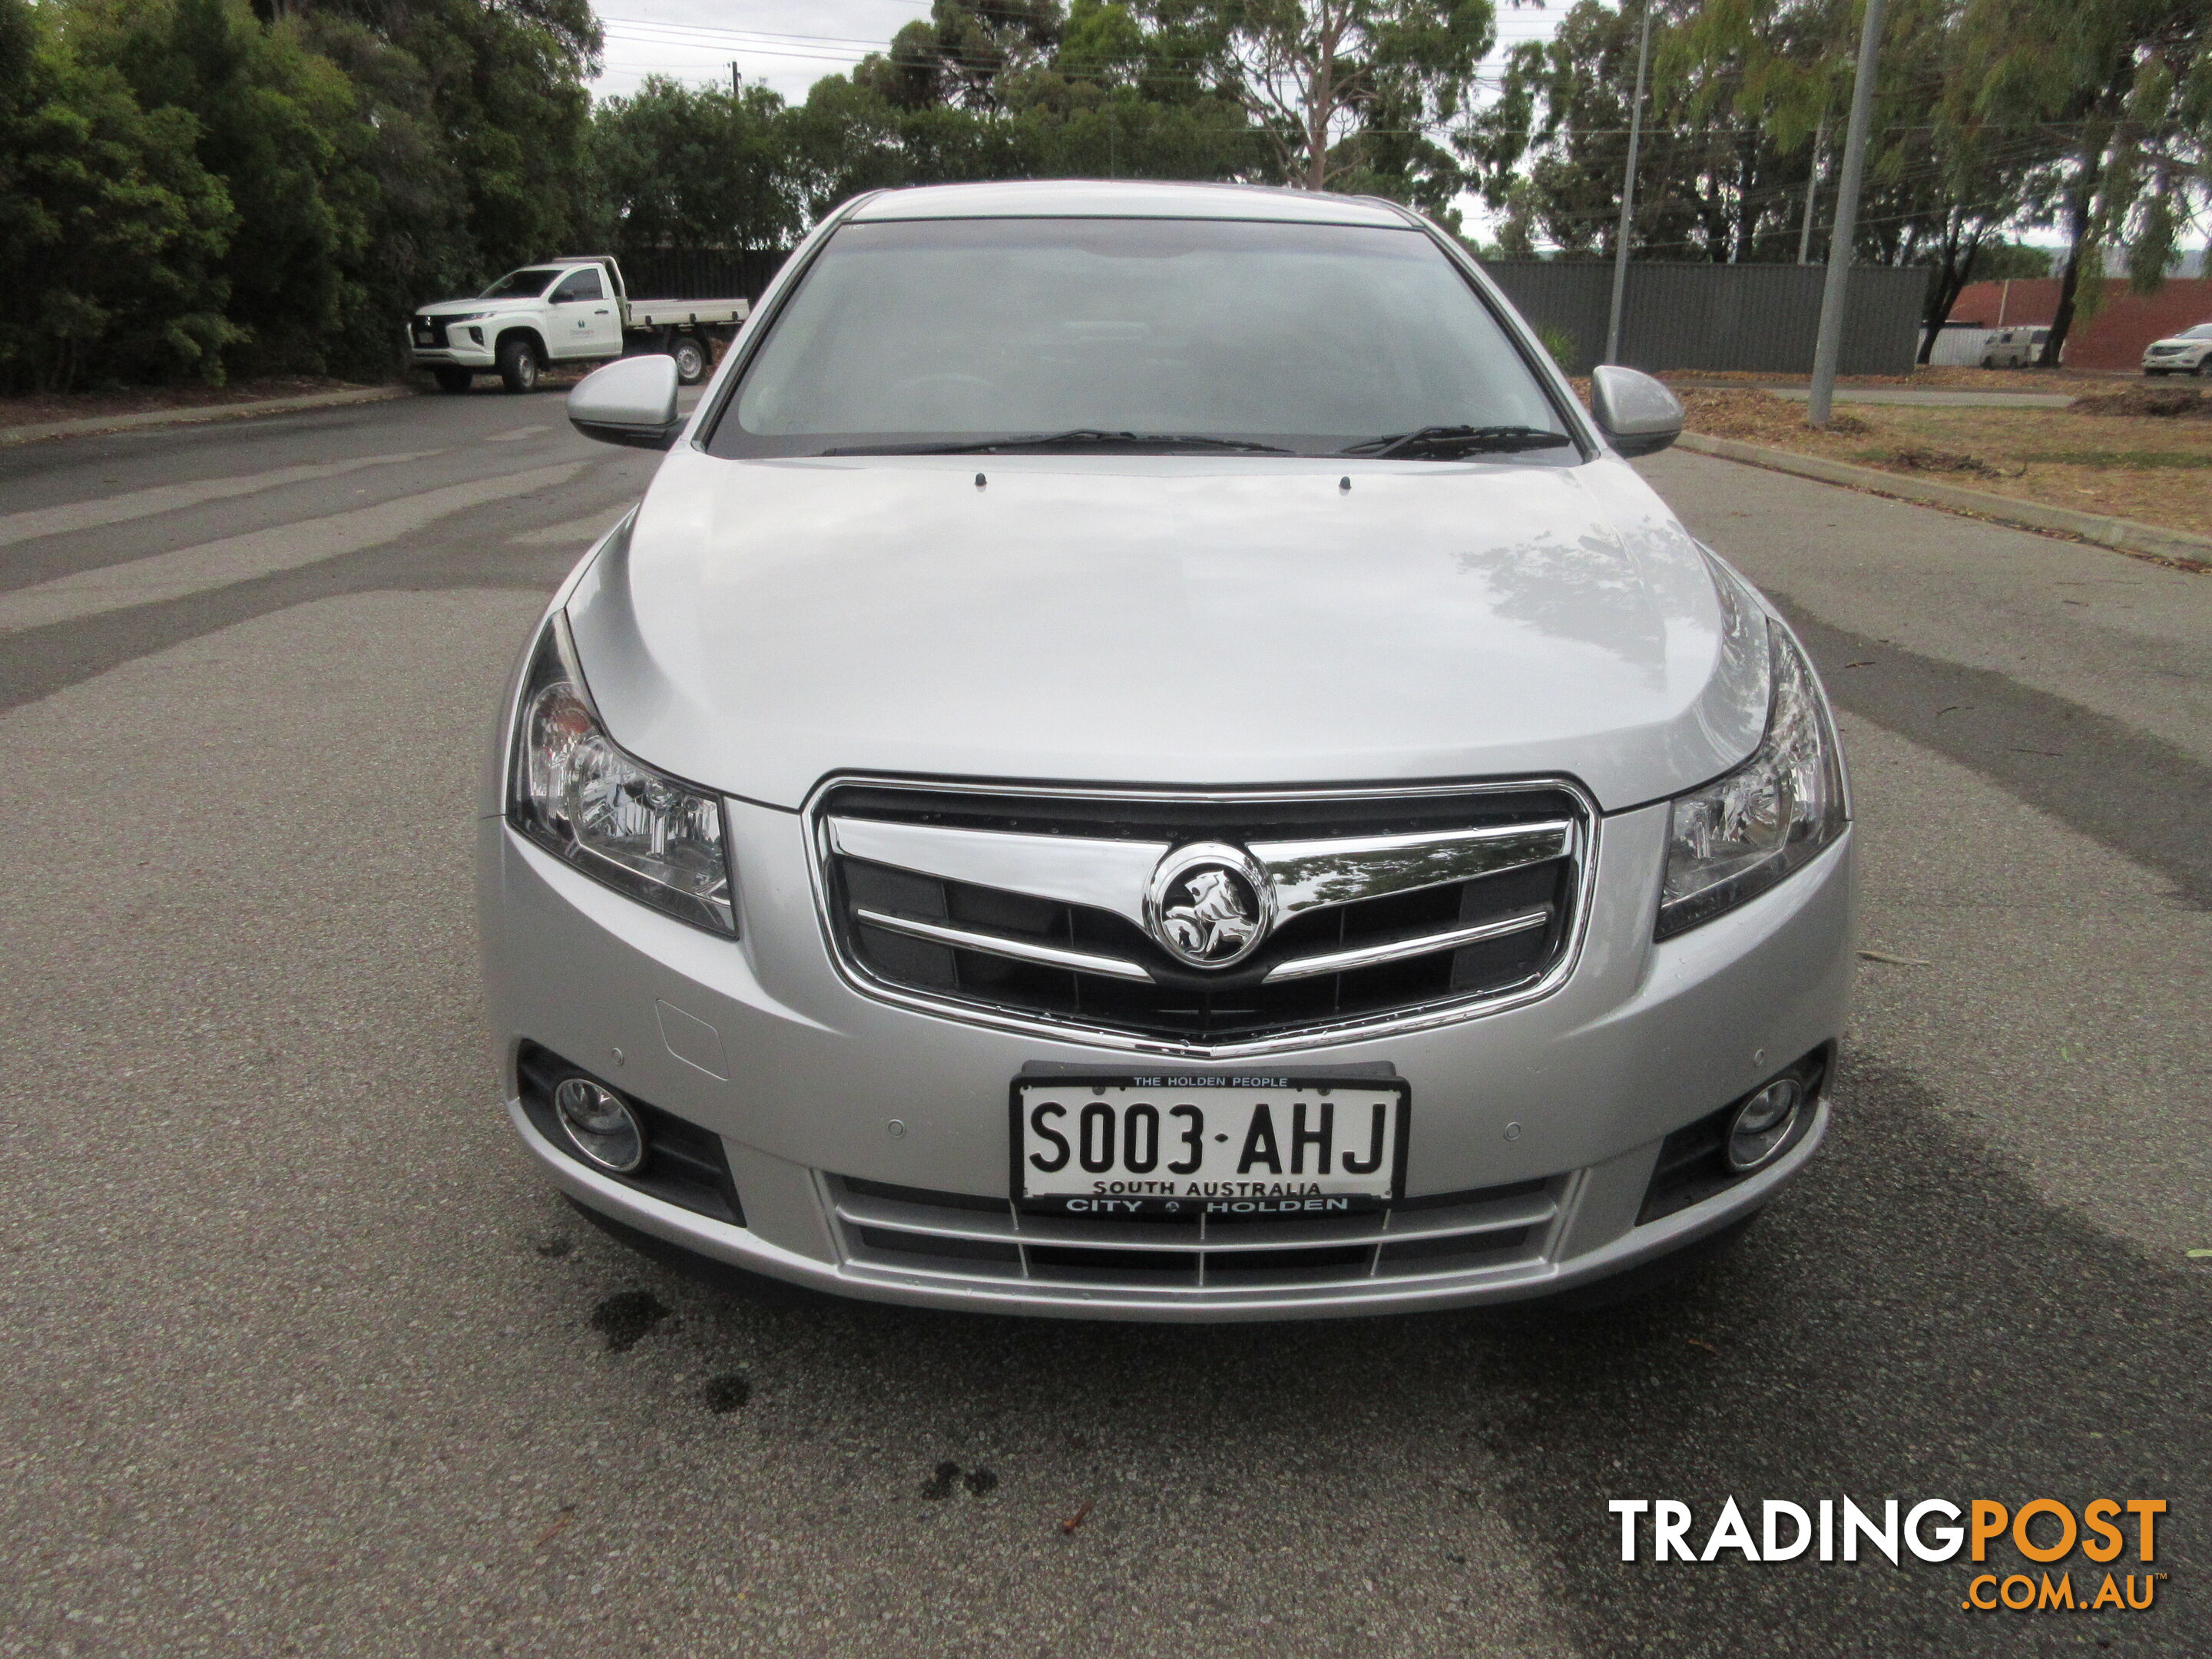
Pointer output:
x,y
460,349
844,1119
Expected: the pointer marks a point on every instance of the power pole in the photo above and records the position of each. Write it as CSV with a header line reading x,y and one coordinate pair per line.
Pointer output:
x,y
1812,193
1627,197
1827,346
736,82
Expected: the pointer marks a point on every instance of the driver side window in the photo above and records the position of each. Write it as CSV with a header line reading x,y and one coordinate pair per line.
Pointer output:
x,y
579,285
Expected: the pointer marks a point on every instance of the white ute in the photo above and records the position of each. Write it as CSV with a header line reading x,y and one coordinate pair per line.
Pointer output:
x,y
574,310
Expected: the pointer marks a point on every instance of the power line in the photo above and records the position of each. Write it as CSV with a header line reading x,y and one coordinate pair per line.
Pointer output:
x,y
675,33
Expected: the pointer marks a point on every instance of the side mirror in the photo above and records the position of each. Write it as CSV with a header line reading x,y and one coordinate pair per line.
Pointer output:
x,y
631,401
1640,416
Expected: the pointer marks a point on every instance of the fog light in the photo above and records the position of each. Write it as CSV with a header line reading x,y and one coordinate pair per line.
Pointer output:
x,y
600,1126
1763,1123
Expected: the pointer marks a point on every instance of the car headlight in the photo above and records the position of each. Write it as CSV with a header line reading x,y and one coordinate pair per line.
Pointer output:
x,y
576,795
1740,835
463,316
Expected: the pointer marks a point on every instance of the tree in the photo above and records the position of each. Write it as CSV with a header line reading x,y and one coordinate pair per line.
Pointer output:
x,y
413,199
194,187
1342,95
964,53
682,167
270,114
507,81
1332,83
1112,88
1711,184
114,230
1941,183
1743,94
2126,86
1138,91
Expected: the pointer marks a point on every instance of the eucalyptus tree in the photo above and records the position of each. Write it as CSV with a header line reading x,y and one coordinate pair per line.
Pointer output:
x,y
1351,88
964,53
1717,177
2122,90
1734,162
1141,88
1941,183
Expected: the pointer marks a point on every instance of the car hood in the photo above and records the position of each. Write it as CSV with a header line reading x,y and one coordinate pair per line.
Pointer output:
x,y
479,307
1165,620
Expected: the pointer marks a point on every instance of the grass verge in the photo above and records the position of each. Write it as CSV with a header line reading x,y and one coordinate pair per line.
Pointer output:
x,y
2154,468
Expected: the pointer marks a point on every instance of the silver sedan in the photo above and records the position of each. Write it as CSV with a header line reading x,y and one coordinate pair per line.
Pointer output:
x,y
1142,756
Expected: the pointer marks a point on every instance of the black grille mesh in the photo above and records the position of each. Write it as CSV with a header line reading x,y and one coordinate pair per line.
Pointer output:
x,y
1180,1003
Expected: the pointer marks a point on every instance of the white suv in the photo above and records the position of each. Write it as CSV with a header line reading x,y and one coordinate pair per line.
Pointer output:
x,y
2185,353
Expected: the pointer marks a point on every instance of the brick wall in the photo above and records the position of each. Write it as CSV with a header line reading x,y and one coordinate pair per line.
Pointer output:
x,y
2115,337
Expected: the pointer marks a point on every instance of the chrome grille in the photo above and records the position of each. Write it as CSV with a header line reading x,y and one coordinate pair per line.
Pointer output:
x,y
905,1230
1031,909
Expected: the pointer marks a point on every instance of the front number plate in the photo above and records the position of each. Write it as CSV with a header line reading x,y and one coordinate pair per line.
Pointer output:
x,y
1186,1146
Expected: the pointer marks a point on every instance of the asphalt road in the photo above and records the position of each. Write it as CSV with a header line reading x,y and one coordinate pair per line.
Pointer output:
x,y
303,1359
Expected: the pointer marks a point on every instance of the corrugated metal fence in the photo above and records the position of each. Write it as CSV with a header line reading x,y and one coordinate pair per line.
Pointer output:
x,y
1758,317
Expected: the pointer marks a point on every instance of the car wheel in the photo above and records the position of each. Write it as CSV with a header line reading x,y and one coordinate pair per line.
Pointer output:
x,y
690,360
453,379
518,364
1988,362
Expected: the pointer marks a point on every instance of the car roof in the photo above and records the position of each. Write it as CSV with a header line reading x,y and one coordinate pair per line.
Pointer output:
x,y
1104,198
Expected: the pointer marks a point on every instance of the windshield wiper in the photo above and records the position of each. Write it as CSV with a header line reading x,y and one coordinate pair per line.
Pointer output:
x,y
1080,438
1445,441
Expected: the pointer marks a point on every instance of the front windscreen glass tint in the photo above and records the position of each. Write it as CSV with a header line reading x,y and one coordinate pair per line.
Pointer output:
x,y
1309,336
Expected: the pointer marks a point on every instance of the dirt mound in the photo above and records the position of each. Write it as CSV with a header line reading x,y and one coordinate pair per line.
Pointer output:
x,y
2163,403
1919,458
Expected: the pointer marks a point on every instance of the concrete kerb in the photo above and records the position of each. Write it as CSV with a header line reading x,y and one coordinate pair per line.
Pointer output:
x,y
2126,535
92,424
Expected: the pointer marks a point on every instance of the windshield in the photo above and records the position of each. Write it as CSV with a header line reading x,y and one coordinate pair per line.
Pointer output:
x,y
914,335
527,284
2202,332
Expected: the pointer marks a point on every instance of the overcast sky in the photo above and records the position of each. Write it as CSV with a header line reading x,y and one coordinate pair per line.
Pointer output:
x,y
786,44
